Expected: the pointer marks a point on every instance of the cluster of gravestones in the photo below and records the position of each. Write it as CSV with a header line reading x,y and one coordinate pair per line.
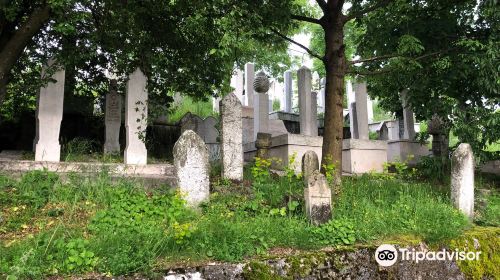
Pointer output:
x,y
191,155
49,114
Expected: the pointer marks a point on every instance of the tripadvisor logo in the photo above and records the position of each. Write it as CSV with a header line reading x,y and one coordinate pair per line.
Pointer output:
x,y
387,255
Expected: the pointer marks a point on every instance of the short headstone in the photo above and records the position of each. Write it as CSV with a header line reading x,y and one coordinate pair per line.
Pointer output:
x,y
310,163
263,143
462,179
136,113
49,113
318,199
113,119
231,138
192,168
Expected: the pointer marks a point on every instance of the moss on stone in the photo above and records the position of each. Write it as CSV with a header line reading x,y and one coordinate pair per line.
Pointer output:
x,y
257,271
302,265
486,240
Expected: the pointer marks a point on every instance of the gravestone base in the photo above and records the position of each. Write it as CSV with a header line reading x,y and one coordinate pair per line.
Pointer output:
x,y
363,156
284,146
401,150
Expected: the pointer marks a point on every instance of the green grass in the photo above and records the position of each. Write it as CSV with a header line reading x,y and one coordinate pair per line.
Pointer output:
x,y
54,227
202,109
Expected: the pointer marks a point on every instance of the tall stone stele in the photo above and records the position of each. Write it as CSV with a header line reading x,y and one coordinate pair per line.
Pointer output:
x,y
231,138
113,119
192,168
261,104
307,103
136,113
49,113
462,179
318,199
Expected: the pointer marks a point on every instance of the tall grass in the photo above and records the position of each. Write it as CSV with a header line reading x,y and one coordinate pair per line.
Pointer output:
x,y
382,208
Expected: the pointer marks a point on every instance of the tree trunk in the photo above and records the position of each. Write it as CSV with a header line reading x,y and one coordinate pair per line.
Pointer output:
x,y
335,63
14,47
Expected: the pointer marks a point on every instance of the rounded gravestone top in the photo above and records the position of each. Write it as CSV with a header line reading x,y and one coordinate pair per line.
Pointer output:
x,y
261,83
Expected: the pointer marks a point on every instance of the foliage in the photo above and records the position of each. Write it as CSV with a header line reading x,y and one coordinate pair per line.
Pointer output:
x,y
85,225
335,233
433,168
202,109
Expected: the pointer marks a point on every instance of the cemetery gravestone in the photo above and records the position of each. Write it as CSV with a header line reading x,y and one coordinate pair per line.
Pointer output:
x,y
192,168
310,163
462,179
231,138
261,104
318,199
113,120
49,115
307,103
136,114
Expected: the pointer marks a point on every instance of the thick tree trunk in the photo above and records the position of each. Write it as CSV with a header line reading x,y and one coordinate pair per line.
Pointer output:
x,y
335,63
14,46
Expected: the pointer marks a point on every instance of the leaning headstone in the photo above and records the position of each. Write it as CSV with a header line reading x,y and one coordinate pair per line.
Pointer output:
x,y
136,113
192,168
318,199
49,113
261,104
231,138
462,179
113,119
310,163
262,144
288,91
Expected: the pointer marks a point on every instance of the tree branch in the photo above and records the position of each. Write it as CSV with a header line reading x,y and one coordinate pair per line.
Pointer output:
x,y
311,53
306,19
381,57
373,58
322,4
372,8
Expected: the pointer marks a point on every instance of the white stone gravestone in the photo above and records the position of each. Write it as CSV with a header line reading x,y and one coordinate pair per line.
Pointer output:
x,y
49,114
136,113
462,179
231,138
192,168
261,104
307,103
288,91
249,79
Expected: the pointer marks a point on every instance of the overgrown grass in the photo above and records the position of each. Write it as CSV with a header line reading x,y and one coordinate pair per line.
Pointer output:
x,y
49,226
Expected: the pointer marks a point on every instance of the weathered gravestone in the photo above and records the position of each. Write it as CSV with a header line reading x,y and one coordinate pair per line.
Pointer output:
x,y
136,113
307,103
49,113
192,167
263,143
318,199
113,119
310,163
231,138
462,179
